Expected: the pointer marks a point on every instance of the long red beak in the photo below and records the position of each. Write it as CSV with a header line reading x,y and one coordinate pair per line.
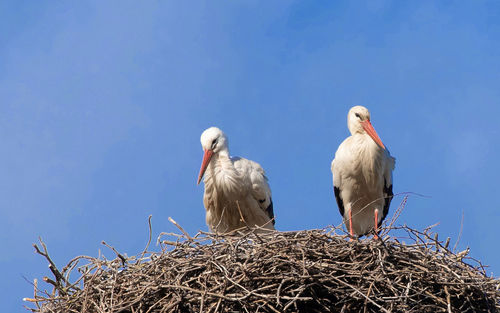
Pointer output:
x,y
367,126
206,160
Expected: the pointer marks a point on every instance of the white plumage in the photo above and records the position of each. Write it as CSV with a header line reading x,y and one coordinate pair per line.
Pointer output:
x,y
233,184
362,175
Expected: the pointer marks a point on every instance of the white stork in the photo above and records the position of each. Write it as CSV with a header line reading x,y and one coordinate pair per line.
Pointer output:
x,y
362,175
233,185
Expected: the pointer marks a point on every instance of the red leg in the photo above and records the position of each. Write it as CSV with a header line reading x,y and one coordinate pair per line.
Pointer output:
x,y
376,224
350,224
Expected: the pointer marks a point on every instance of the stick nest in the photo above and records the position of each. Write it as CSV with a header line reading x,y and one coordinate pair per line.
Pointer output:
x,y
301,271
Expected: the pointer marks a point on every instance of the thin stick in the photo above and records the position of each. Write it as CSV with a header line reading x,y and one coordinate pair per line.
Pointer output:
x,y
149,240
460,233
118,254
180,228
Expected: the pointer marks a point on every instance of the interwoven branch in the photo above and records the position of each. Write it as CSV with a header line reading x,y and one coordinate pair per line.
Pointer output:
x,y
302,271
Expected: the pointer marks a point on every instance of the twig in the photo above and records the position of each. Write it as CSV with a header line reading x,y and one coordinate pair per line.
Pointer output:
x,y
180,228
149,240
459,233
118,254
59,283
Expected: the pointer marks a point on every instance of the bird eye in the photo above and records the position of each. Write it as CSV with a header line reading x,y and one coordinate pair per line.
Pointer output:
x,y
357,115
214,143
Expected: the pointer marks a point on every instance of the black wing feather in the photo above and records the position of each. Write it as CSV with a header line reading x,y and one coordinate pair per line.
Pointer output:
x,y
270,211
388,198
340,203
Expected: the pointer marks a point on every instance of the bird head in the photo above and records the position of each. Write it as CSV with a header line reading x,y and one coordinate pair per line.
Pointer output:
x,y
358,122
213,141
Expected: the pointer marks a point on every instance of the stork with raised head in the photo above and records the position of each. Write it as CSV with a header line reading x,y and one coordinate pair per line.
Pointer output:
x,y
362,175
237,193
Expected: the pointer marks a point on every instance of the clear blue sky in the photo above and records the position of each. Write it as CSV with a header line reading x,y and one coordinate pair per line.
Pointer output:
x,y
102,105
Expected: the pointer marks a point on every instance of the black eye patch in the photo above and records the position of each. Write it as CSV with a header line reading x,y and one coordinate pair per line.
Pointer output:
x,y
357,115
214,143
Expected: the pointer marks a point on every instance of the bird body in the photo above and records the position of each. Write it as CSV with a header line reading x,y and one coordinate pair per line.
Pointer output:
x,y
237,193
362,175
